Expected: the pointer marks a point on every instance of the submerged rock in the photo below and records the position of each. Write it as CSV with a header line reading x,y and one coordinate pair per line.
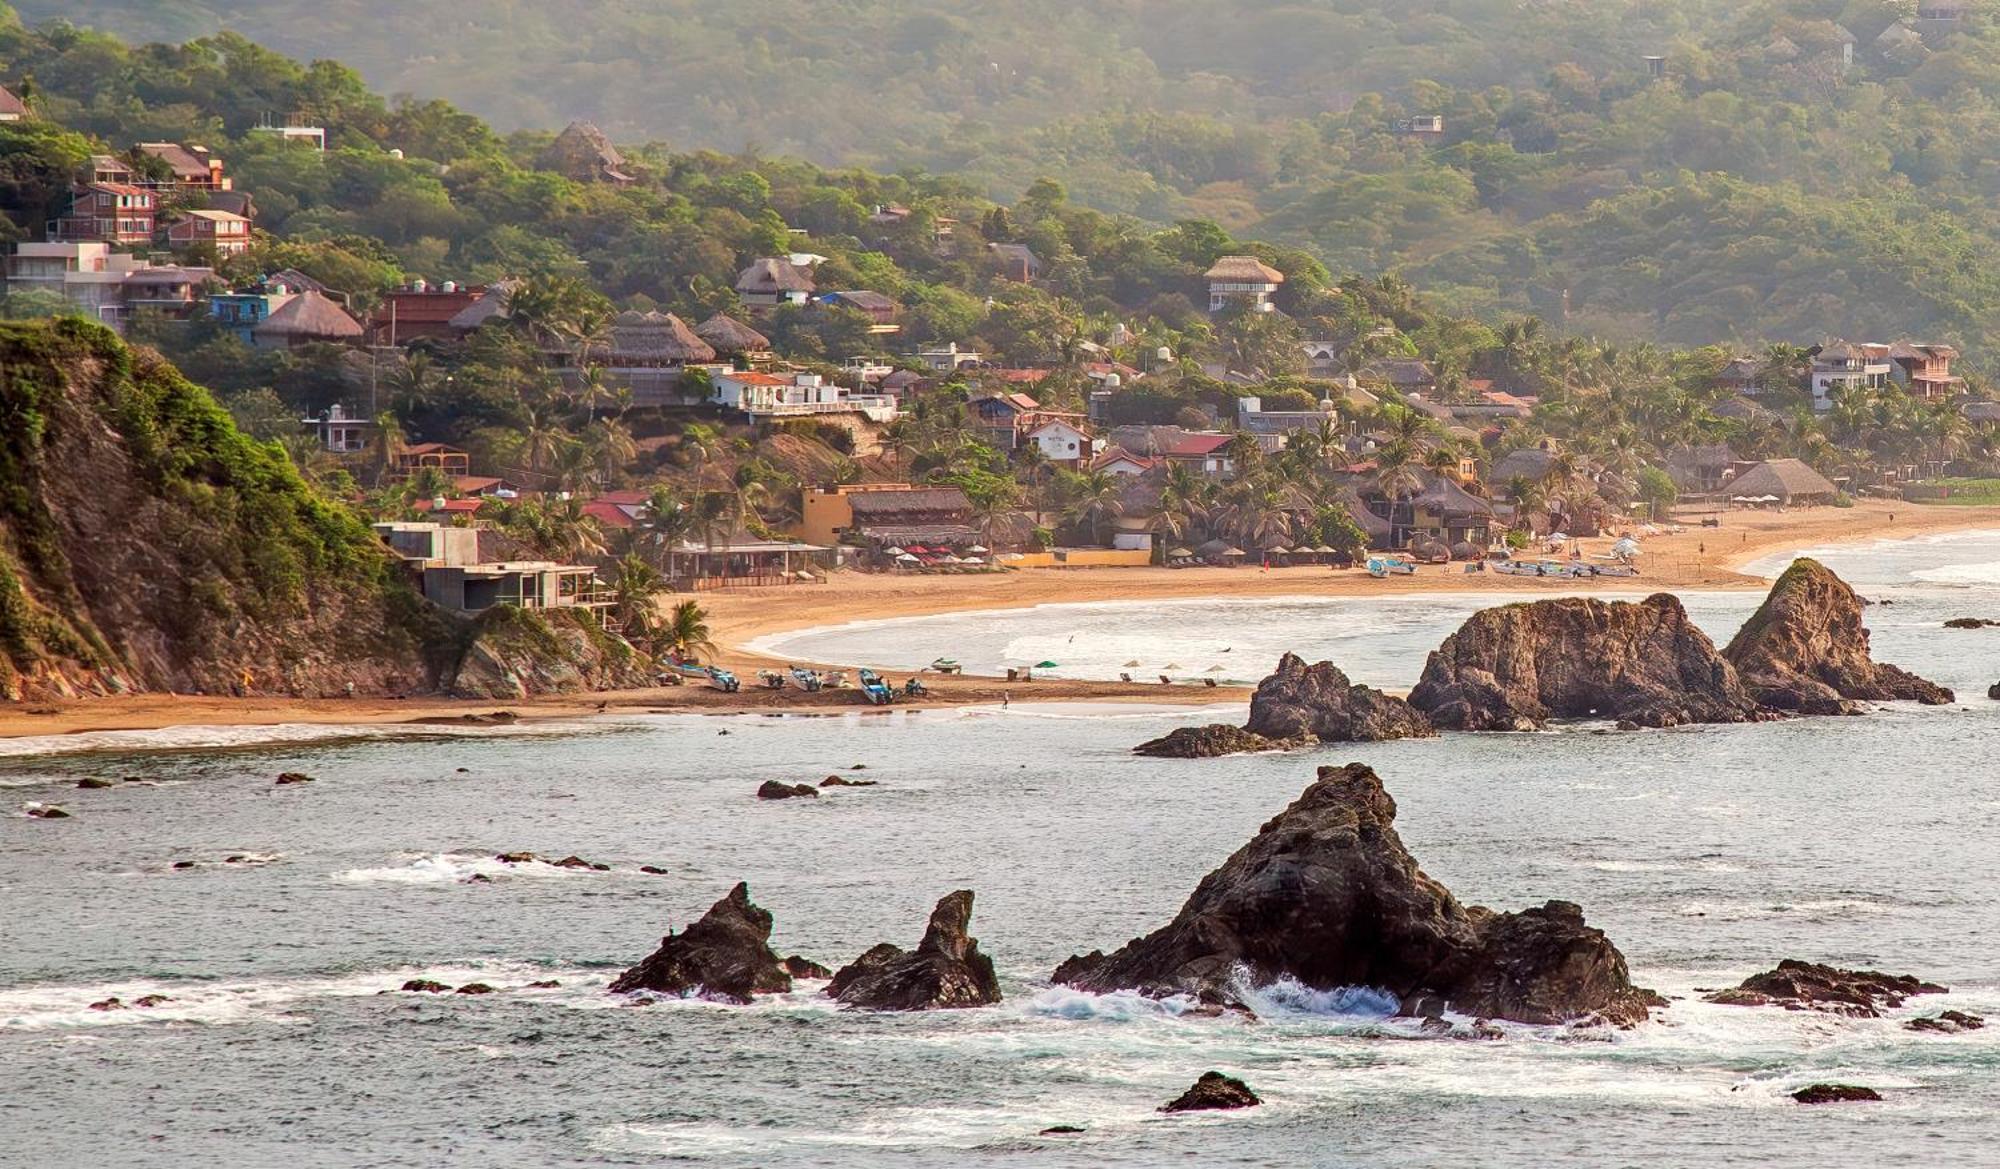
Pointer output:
x,y
1326,895
426,986
1213,1091
290,777
1319,702
544,984
773,790
1834,1094
94,783
114,1003
1212,741
46,812
1806,650
150,1000
843,781
1516,667
1060,1130
726,955
577,862
1968,623
799,967
474,988
1809,986
946,971
1946,1023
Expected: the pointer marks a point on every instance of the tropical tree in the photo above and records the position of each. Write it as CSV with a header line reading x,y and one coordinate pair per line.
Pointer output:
x,y
685,633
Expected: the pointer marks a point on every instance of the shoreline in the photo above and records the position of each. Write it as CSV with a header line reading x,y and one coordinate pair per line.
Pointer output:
x,y
1705,559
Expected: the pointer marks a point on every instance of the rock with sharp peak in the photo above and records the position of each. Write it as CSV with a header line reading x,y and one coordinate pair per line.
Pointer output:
x,y
1327,896
726,955
1805,650
945,971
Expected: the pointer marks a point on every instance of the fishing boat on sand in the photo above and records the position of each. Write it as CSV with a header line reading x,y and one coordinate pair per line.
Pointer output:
x,y
807,680
947,666
1382,566
874,690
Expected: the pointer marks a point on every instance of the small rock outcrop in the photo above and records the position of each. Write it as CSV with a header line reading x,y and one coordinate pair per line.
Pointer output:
x,y
1212,741
1809,986
46,812
1297,706
425,986
726,955
1946,1023
577,862
94,783
843,781
946,971
474,988
1213,1092
1326,895
1319,702
1805,650
1834,1094
800,967
1969,623
771,789
1515,667
287,778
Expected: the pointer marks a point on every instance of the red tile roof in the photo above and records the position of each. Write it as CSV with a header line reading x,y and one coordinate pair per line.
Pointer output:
x,y
452,506
1197,446
608,514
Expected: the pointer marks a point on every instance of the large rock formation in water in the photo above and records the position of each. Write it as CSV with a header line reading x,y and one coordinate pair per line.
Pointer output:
x,y
726,955
945,971
1810,986
1806,650
1297,706
1326,895
1515,667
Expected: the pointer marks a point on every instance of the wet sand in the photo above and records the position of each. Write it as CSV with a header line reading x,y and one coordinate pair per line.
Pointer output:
x,y
1697,558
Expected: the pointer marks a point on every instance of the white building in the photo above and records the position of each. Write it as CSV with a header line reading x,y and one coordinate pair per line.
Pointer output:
x,y
1242,280
103,284
1061,442
1844,365
341,432
949,358
764,396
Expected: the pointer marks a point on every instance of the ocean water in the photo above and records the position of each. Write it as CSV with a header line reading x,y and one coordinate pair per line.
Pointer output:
x,y
1705,853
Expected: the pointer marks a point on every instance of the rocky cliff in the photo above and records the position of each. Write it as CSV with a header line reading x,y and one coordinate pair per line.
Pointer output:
x,y
1296,706
1515,667
148,545
1326,894
1806,650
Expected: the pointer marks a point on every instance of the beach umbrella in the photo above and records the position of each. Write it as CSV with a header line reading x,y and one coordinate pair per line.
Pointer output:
x,y
948,558
1280,550
1046,666
1171,666
1178,554
1133,664
1322,549
908,557
972,560
1213,670
1232,550
894,551
978,549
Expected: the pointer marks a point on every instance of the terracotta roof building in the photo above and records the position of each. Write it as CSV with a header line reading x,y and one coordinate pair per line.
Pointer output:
x,y
12,109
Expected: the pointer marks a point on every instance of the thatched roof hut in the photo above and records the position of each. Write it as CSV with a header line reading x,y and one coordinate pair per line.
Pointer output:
x,y
654,339
583,153
731,337
307,318
1790,480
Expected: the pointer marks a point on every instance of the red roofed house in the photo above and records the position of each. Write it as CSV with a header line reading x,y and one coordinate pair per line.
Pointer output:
x,y
449,459
225,231
112,213
1121,462
12,109
1925,369
193,167
1207,453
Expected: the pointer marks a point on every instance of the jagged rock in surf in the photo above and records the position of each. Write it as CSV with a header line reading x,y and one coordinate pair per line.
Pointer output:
x,y
1806,650
1327,896
290,777
1969,623
726,956
801,967
425,986
1318,701
946,971
1835,1094
1213,1092
1810,986
1946,1023
771,789
1515,667
1212,741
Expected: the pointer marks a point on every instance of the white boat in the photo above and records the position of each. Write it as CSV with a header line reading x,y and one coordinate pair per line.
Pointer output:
x,y
1382,566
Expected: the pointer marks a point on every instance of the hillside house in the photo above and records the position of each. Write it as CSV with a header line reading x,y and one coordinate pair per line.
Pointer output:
x,y
193,168
1122,463
105,285
880,310
242,310
112,213
1251,416
1408,375
421,311
340,432
1242,280
1438,510
224,231
1742,376
764,397
1061,441
1925,370
772,281
452,461
1017,262
1205,453
309,318
949,359
732,338
649,353
1843,365
12,108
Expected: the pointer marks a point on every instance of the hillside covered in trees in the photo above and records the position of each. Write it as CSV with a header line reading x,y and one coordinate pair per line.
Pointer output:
x,y
1801,169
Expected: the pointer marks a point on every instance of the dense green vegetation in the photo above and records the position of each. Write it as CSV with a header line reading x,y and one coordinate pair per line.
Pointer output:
x,y
1761,190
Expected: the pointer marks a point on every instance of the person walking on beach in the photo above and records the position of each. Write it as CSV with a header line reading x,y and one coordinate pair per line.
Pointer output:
x,y
1006,699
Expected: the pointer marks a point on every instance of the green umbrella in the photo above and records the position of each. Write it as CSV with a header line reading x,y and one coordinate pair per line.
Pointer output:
x,y
1046,666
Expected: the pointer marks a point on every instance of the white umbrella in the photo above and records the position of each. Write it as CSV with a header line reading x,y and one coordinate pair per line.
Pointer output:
x,y
978,549
894,552
973,560
911,557
948,558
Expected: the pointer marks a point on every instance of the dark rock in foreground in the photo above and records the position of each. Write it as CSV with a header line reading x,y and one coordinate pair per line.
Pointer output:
x,y
1993,692
946,971
577,862
1212,1092
1946,1023
1319,702
1806,650
1515,667
1809,986
1060,1130
1325,894
771,789
1834,1094
726,955
801,967
1212,741
474,988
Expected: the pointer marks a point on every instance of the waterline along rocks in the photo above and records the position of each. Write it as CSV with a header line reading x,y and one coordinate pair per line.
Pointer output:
x,y
1515,667
1806,650
945,971
726,956
1327,896
1297,706
1809,986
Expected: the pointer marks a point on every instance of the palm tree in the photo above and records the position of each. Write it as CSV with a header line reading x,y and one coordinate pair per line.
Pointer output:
x,y
635,591
686,634
611,446
387,446
703,440
1097,501
663,524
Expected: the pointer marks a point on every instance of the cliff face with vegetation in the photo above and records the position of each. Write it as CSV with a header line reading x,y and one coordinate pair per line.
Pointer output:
x,y
147,544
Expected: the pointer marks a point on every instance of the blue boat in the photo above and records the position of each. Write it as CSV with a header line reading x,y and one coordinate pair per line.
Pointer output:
x,y
875,690
1381,566
807,680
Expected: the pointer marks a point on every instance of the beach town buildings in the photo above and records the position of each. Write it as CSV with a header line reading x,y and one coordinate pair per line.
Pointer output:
x,y
224,231
339,432
446,560
1842,366
121,214
306,318
584,154
773,280
1242,280
104,284
948,358
12,108
761,396
1062,441
880,310
884,515
420,311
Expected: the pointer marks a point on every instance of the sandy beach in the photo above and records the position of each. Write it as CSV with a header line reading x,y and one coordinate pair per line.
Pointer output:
x,y
1696,558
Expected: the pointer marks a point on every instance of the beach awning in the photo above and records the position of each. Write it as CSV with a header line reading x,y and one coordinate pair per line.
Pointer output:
x,y
894,551
1177,554
978,549
1047,666
1323,550
908,557
973,560
1280,550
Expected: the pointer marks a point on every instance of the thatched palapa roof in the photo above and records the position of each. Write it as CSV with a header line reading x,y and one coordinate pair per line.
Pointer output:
x,y
731,336
309,316
654,339
1784,478
1244,270
772,275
